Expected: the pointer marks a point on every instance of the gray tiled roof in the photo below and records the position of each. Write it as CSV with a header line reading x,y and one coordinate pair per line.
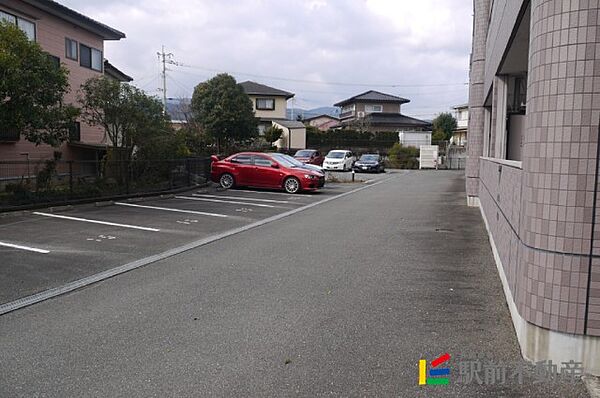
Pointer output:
x,y
308,119
290,124
374,96
253,88
396,119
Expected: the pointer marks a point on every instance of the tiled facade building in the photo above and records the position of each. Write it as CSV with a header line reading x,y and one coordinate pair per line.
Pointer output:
x,y
77,42
533,167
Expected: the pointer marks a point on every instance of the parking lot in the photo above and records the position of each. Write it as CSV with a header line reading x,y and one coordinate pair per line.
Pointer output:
x,y
47,249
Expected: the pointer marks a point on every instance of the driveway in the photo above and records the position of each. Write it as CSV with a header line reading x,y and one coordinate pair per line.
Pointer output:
x,y
341,299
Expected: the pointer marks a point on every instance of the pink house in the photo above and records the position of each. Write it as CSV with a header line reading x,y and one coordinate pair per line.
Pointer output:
x,y
77,42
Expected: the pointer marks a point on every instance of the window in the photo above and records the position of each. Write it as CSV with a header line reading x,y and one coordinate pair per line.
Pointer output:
x,y
9,135
266,104
90,58
264,162
75,132
71,49
242,159
55,60
7,17
373,108
348,108
26,26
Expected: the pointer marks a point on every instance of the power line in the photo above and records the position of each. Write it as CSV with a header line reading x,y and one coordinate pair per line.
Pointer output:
x,y
339,93
314,81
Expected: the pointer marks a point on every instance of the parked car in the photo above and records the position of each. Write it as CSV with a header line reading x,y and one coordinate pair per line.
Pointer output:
x,y
298,163
339,159
369,162
264,170
309,156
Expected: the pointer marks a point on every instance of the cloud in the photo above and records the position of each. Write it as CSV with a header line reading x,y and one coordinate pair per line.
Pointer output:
x,y
360,42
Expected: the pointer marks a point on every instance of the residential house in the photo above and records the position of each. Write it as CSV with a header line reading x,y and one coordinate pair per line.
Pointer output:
x,y
378,112
179,111
533,165
270,107
323,122
77,42
459,136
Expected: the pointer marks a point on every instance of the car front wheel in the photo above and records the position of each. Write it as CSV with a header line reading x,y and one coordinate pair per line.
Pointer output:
x,y
291,185
226,181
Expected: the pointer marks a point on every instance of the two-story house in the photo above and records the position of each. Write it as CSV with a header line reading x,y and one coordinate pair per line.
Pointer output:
x,y
378,112
459,136
77,42
270,107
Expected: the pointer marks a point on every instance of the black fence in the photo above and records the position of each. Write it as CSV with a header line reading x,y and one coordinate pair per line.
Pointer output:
x,y
24,183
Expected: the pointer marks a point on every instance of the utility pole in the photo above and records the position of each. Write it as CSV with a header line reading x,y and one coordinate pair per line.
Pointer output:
x,y
164,59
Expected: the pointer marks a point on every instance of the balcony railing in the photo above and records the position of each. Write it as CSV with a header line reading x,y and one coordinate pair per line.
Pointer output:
x,y
347,114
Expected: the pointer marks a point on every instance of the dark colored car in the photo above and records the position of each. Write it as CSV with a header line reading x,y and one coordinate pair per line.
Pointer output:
x,y
310,156
369,162
264,170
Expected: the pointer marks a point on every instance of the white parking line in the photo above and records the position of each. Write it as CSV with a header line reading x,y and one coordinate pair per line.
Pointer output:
x,y
96,221
78,284
240,197
27,248
202,213
223,201
267,192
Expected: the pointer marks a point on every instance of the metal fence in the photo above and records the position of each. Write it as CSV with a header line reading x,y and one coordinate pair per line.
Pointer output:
x,y
31,182
456,163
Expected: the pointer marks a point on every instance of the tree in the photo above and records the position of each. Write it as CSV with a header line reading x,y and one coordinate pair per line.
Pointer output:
x,y
132,120
444,123
32,88
273,134
224,110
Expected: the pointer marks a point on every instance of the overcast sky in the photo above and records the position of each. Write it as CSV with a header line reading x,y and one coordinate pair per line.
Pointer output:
x,y
417,49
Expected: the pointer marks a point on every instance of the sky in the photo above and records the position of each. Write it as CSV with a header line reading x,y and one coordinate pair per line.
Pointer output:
x,y
324,51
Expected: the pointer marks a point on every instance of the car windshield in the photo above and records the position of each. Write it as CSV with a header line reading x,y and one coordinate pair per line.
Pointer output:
x,y
336,155
286,160
369,158
304,154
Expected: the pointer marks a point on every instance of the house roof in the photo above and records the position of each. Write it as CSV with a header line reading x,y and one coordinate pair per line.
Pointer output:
x,y
308,119
112,71
179,110
374,96
396,119
253,88
461,106
290,124
74,17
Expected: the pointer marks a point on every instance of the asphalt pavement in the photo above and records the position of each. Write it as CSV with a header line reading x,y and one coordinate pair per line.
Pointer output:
x,y
341,299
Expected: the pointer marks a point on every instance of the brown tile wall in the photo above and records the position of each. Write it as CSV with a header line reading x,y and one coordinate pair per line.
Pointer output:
x,y
549,288
50,34
548,228
476,96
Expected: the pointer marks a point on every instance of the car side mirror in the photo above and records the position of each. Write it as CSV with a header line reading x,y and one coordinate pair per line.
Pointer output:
x,y
274,165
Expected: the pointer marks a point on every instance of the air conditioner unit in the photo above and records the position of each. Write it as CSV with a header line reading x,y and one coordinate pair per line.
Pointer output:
x,y
360,115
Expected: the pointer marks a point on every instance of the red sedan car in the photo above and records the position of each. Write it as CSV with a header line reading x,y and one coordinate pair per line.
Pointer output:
x,y
310,156
265,170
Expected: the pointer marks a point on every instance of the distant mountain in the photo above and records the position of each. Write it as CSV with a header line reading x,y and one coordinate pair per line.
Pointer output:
x,y
308,113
